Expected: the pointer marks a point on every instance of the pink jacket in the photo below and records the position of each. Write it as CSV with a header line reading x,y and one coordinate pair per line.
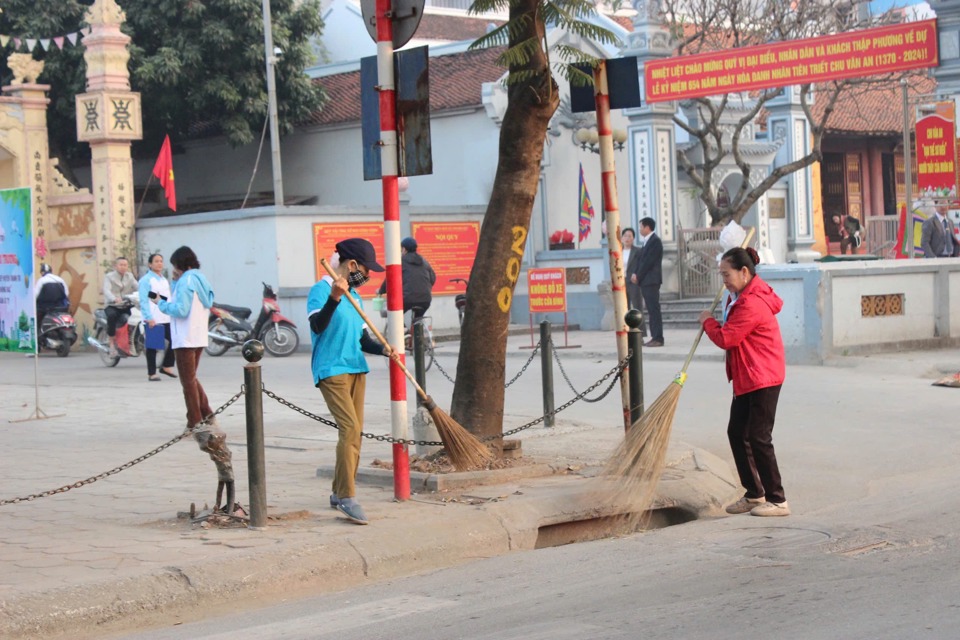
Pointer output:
x,y
751,337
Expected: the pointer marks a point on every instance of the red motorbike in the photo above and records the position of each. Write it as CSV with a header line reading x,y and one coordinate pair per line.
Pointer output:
x,y
230,327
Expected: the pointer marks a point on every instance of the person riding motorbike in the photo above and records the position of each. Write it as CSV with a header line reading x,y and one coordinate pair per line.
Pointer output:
x,y
50,292
117,285
418,279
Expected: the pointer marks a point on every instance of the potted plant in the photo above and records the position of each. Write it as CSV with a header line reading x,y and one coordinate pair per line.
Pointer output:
x,y
562,239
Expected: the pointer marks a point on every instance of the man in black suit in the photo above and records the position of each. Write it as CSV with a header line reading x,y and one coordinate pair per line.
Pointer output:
x,y
647,272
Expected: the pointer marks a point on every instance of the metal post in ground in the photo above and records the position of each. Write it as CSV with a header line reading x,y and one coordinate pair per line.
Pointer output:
x,y
546,366
256,465
634,320
612,212
419,358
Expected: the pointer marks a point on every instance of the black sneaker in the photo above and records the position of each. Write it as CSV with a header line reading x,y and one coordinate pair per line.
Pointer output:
x,y
334,501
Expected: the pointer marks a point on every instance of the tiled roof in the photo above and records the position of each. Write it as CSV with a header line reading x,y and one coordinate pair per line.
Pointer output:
x,y
455,81
874,109
453,28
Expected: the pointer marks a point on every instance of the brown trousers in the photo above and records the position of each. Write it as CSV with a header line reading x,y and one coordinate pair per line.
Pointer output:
x,y
209,437
344,397
198,407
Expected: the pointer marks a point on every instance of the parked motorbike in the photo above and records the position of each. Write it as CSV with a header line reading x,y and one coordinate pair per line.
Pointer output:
x,y
129,326
58,332
230,327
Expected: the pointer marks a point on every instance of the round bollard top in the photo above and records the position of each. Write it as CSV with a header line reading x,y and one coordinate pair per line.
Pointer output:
x,y
633,318
252,350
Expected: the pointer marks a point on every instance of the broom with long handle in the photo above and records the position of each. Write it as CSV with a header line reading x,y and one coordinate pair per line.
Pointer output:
x,y
638,461
463,449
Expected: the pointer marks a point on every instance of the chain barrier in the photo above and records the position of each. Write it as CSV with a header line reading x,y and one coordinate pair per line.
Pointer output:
x,y
603,395
330,423
615,372
166,445
523,369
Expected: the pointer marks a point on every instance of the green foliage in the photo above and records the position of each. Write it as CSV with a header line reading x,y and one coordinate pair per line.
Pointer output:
x,y
195,62
64,70
520,36
23,321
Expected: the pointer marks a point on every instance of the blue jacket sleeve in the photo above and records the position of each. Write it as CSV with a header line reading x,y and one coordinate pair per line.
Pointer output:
x,y
145,298
179,306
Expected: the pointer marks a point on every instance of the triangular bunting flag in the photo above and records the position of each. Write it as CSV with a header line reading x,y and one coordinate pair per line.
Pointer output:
x,y
31,44
72,37
58,41
16,43
4,40
45,43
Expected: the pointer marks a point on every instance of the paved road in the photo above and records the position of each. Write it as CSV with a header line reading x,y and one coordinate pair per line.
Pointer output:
x,y
867,448
869,452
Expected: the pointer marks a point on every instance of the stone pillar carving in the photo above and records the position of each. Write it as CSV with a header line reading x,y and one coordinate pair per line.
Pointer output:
x,y
108,118
33,162
948,31
791,127
651,132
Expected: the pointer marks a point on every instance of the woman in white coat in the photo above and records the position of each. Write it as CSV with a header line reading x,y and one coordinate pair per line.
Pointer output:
x,y
153,317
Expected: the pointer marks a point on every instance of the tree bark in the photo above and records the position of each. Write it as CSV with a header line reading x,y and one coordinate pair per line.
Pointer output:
x,y
478,394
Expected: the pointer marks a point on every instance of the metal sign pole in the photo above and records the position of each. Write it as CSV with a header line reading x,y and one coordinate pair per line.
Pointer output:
x,y
389,161
611,209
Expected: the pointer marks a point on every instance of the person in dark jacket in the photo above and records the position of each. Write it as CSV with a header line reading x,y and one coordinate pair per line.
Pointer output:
x,y
647,272
756,364
418,279
50,292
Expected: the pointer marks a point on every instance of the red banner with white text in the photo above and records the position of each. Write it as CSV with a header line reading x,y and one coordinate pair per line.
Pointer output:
x,y
899,47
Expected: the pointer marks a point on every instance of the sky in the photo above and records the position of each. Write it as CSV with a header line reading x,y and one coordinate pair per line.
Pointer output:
x,y
879,6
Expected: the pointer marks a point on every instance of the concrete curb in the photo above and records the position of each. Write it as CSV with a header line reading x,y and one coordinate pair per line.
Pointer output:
x,y
275,564
434,482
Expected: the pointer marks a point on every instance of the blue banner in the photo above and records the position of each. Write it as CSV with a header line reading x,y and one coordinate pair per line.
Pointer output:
x,y
18,316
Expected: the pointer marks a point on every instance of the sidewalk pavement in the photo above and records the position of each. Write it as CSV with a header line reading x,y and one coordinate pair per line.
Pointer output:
x,y
113,554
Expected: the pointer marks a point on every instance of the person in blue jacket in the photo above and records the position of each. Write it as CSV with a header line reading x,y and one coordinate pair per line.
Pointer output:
x,y
340,339
152,316
189,310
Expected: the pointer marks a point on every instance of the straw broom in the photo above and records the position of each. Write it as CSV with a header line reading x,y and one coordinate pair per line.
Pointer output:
x,y
638,462
463,448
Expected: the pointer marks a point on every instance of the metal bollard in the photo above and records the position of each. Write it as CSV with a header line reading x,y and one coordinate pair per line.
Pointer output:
x,y
256,466
546,367
419,358
634,320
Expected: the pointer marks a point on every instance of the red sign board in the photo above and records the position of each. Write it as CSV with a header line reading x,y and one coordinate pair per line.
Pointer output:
x,y
888,49
450,248
547,290
936,156
327,235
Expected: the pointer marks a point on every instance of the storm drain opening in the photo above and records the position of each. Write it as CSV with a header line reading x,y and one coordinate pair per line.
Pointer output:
x,y
563,533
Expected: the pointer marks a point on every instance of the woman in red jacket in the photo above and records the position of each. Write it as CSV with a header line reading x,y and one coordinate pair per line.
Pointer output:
x,y
756,365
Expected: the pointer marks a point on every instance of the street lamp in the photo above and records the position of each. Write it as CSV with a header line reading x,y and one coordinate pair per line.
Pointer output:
x,y
272,54
589,139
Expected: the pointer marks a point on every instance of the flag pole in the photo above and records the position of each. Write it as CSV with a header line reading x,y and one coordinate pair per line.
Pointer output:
x,y
143,197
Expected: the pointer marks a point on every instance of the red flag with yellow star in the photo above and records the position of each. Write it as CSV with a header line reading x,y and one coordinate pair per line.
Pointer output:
x,y
164,172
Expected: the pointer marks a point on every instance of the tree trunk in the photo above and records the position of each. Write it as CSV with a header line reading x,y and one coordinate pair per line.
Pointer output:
x,y
478,393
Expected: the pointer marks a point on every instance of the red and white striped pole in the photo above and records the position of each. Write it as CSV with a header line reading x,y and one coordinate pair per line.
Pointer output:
x,y
391,233
611,210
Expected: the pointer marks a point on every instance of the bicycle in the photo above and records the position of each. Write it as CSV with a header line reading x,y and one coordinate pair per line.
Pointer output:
x,y
460,301
427,323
